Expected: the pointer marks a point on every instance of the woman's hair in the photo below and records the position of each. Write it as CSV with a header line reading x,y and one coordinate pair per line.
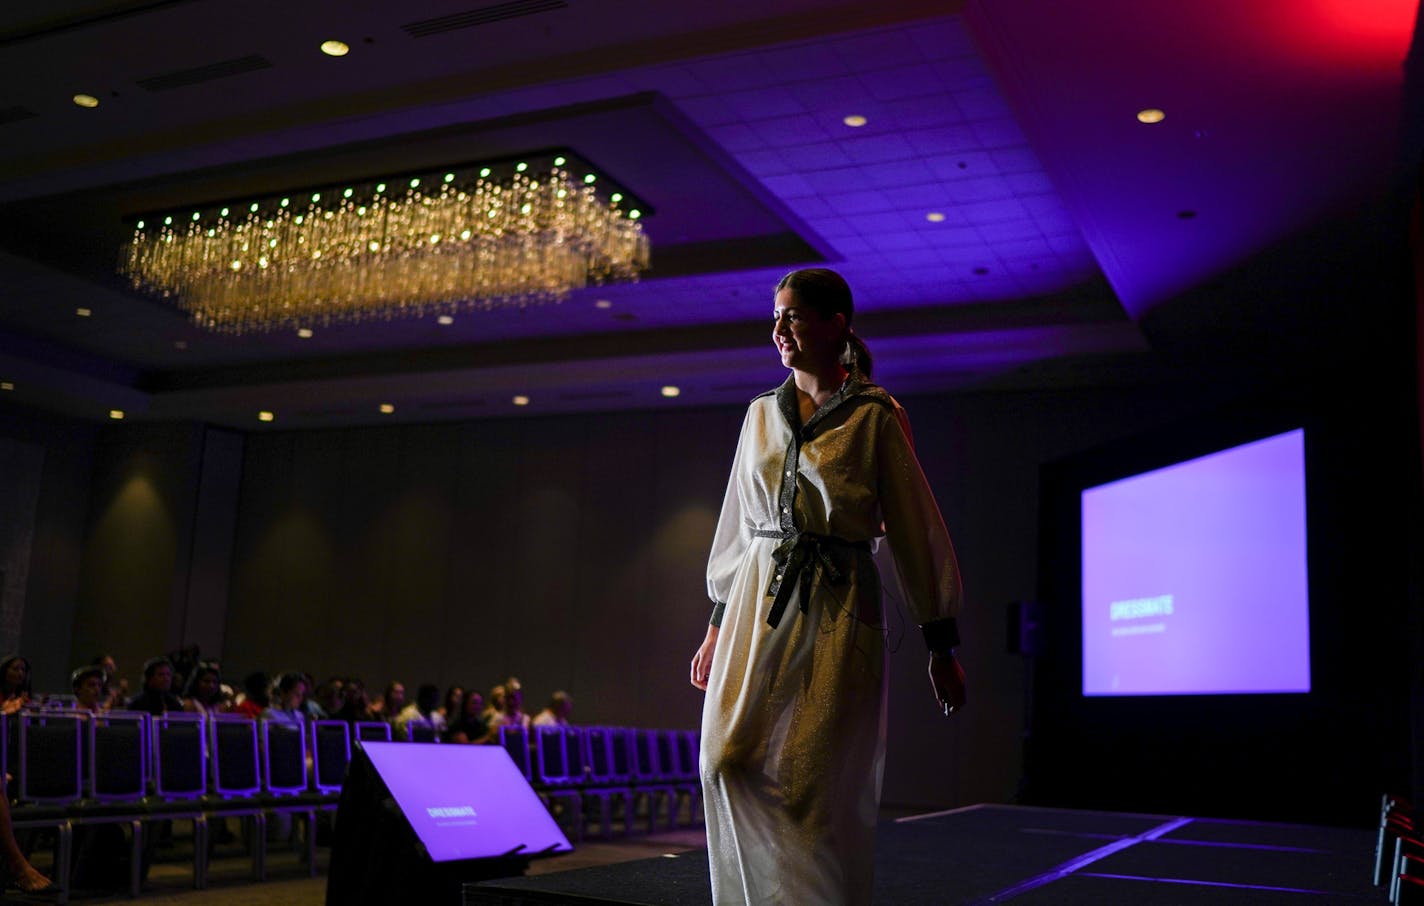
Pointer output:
x,y
24,687
827,292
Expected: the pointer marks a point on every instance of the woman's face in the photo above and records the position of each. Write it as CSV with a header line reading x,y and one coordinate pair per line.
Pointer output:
x,y
15,674
89,691
207,687
805,339
474,703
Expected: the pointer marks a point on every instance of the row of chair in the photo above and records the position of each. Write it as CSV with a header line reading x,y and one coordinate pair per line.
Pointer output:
x,y
132,769
1399,852
642,777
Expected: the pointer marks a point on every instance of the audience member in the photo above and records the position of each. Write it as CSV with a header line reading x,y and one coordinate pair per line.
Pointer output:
x,y
328,698
512,714
287,709
354,706
185,660
390,704
427,700
204,693
451,709
118,688
494,711
157,696
14,684
256,695
90,687
470,725
556,714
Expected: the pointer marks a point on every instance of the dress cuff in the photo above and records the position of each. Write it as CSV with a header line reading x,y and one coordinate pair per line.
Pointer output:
x,y
718,608
941,635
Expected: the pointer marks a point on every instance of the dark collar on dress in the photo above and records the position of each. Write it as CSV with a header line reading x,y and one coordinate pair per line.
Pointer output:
x,y
853,388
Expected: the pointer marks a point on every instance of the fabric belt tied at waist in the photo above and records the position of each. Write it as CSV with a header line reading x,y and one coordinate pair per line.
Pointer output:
x,y
798,557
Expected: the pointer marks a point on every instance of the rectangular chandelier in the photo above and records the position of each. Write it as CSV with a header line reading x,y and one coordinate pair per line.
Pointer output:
x,y
512,232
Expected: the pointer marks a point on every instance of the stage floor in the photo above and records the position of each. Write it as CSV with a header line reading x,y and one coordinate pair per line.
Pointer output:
x,y
998,853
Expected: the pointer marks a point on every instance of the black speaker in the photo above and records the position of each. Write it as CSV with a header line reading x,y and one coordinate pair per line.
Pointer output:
x,y
417,821
1025,628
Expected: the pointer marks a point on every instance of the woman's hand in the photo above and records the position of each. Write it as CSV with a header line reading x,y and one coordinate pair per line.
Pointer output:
x,y
947,678
702,660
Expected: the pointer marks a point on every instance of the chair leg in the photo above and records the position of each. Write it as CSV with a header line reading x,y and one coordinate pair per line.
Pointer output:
x,y
63,857
136,858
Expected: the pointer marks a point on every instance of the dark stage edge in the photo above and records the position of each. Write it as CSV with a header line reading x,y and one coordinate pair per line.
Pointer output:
x,y
986,854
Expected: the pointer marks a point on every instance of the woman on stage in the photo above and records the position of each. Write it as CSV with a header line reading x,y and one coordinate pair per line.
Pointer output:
x,y
793,662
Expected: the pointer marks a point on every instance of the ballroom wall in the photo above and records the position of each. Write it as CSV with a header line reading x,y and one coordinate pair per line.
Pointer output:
x,y
567,550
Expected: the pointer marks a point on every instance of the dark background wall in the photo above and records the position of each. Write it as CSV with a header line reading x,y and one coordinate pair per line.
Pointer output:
x,y
570,550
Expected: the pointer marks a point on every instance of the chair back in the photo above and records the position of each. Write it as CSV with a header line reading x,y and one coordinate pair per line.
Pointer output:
x,y
516,743
118,756
576,751
373,731
331,753
599,743
235,762
420,730
51,759
620,741
179,753
646,767
284,758
687,745
552,765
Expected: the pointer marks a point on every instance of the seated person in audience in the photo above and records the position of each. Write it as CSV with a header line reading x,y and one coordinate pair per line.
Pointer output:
x,y
17,869
495,708
389,706
354,706
14,684
157,696
469,725
91,692
556,714
204,694
256,695
512,715
287,708
184,661
116,688
328,698
451,709
427,700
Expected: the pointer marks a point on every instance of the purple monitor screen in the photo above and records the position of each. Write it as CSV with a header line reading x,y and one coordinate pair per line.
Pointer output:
x,y
465,802
1194,576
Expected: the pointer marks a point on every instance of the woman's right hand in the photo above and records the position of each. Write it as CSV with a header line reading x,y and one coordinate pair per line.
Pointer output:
x,y
702,660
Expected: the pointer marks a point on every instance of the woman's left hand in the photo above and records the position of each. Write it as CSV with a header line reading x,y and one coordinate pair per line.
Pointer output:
x,y
947,678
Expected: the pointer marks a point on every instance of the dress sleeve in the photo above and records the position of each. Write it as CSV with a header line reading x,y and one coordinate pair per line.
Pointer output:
x,y
919,542
730,541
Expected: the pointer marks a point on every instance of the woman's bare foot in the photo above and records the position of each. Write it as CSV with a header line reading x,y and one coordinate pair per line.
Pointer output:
x,y
29,880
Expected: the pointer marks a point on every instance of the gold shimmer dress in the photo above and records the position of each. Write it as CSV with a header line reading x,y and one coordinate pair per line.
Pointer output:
x,y
792,725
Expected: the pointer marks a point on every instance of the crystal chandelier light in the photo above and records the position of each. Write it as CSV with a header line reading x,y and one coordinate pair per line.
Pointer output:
x,y
515,232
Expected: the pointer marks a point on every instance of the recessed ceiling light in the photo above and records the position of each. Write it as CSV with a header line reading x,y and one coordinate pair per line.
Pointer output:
x,y
6,385
670,391
935,217
387,408
520,401
86,100
83,312
603,303
335,48
855,121
304,332
265,416
445,320
1150,115
116,414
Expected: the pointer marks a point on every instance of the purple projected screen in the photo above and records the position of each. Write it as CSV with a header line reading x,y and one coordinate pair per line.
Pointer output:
x,y
465,802
1194,576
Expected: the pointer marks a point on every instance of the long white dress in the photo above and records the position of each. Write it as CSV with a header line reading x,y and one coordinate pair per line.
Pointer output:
x,y
792,732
